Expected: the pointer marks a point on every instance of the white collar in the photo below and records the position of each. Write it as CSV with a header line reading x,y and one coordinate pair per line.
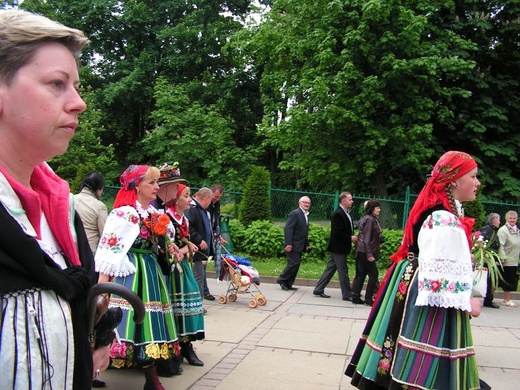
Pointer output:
x,y
14,207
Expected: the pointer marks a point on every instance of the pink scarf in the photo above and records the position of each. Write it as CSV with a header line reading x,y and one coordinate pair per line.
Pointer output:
x,y
50,194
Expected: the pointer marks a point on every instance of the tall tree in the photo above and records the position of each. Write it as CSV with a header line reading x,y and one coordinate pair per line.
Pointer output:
x,y
486,123
351,89
134,43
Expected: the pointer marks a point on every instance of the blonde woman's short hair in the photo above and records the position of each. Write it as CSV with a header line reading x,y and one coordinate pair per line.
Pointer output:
x,y
152,173
22,33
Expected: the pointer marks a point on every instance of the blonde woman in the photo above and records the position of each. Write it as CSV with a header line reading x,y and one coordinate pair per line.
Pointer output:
x,y
128,253
509,251
45,260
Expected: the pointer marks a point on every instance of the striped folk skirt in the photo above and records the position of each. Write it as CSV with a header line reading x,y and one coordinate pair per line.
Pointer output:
x,y
187,302
142,344
404,346
36,341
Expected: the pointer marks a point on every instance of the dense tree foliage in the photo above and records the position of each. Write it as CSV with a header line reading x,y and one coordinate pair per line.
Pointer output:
x,y
486,123
142,50
362,95
367,94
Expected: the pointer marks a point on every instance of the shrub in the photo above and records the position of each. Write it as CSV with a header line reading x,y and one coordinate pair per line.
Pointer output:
x,y
228,208
262,238
475,210
318,240
255,205
237,233
393,239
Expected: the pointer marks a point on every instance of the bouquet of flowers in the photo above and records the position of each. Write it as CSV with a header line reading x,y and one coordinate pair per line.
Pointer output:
x,y
485,258
157,225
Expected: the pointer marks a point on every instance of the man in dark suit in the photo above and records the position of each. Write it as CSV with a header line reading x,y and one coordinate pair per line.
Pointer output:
x,y
296,241
340,245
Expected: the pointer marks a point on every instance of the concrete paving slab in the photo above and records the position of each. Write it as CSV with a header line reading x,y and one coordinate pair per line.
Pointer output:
x,y
268,370
337,310
504,317
494,337
493,357
307,334
231,323
499,378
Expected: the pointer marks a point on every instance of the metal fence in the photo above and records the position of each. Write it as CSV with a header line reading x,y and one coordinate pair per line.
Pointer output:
x,y
393,211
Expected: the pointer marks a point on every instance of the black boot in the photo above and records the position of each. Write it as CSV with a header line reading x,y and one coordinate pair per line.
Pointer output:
x,y
152,380
189,354
169,367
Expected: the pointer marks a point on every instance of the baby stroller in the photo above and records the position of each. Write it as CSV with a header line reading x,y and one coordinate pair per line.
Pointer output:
x,y
243,279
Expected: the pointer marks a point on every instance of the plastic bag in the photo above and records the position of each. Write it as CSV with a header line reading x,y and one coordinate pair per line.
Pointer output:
x,y
480,279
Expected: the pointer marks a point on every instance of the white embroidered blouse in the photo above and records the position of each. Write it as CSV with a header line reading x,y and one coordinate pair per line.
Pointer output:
x,y
445,273
122,228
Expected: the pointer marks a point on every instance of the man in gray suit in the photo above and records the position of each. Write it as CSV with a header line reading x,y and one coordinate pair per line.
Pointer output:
x,y
296,242
340,245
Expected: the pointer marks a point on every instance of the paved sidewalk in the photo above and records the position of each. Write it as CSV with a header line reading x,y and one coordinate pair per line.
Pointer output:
x,y
301,342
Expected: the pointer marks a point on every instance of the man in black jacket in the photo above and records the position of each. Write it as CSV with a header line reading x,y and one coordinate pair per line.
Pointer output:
x,y
296,241
214,212
340,245
200,232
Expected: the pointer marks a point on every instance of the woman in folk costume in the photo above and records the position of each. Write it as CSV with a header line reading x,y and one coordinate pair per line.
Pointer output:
x,y
418,333
184,290
46,266
128,252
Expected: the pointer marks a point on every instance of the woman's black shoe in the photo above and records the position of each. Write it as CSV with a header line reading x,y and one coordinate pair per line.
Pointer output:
x,y
189,354
170,367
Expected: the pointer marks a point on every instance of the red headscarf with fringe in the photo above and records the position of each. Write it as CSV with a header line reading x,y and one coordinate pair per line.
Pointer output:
x,y
130,179
183,227
451,166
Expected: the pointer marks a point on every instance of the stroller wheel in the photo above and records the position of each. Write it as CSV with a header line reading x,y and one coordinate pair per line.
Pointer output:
x,y
262,301
222,299
232,297
253,303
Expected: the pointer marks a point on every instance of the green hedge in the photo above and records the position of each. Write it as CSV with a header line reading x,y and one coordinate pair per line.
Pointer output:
x,y
262,239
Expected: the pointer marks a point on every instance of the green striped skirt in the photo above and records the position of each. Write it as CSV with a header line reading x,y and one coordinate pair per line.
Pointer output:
x,y
186,301
406,346
154,339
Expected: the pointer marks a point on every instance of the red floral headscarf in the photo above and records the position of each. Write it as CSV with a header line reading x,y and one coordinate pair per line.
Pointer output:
x,y
130,179
451,166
